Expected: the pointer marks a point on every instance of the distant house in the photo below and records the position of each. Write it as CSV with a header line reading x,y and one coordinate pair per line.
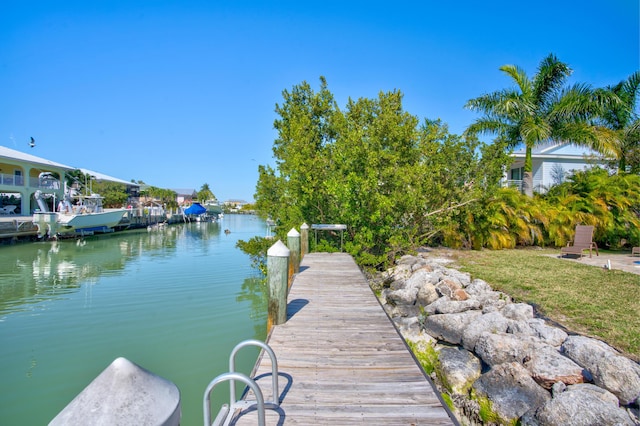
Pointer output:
x,y
551,164
232,204
185,195
21,175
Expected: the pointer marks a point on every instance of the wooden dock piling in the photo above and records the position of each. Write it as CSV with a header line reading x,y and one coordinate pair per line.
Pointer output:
x,y
293,242
304,240
278,280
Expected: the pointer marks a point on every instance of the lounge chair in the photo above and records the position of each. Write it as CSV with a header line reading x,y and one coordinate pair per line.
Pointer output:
x,y
635,251
8,209
583,240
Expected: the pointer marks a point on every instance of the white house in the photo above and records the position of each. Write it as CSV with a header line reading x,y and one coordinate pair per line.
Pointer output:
x,y
551,163
22,175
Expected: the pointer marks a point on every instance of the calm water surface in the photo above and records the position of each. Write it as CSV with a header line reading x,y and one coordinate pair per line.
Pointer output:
x,y
174,301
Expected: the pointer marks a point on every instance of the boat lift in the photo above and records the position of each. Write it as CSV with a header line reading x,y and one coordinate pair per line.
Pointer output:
x,y
228,411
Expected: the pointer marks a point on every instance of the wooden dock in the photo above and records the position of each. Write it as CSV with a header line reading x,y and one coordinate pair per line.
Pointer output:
x,y
15,226
341,360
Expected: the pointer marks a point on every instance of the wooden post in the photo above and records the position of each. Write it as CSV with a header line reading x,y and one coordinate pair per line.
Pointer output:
x,y
277,277
304,240
293,242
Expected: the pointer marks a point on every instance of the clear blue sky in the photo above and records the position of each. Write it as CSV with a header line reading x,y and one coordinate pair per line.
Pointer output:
x,y
182,93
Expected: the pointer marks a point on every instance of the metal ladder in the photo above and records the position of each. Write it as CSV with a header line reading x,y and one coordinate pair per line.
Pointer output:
x,y
225,415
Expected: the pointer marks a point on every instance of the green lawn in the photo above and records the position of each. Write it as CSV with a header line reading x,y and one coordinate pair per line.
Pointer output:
x,y
585,299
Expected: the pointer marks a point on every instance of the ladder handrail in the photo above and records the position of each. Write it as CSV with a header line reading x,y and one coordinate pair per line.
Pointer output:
x,y
274,367
233,376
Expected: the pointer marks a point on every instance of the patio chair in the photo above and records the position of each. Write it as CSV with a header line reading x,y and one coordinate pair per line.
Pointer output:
x,y
583,240
635,251
8,209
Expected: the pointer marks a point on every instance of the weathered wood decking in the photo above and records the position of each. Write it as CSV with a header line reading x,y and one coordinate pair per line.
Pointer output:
x,y
341,360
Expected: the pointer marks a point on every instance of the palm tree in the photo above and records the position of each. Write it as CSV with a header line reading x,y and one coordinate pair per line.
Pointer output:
x,y
205,193
623,120
541,109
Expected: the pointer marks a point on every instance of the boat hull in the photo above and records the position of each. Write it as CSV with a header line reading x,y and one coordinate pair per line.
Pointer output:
x,y
107,218
60,223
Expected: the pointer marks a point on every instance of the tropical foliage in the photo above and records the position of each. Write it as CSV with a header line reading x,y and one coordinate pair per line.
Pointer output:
x,y
593,197
542,108
205,193
398,183
115,194
165,196
623,120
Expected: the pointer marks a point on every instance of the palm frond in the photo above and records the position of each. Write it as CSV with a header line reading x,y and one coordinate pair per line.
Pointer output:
x,y
552,73
519,76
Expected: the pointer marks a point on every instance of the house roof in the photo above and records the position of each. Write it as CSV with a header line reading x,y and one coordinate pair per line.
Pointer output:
x,y
559,150
102,176
184,191
21,156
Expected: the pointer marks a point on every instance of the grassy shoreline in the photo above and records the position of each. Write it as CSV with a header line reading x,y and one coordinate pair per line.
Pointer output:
x,y
583,299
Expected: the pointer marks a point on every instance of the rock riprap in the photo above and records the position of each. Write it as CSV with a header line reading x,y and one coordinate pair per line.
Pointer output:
x,y
498,363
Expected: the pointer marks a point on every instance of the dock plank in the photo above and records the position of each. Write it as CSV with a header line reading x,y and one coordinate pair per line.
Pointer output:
x,y
341,360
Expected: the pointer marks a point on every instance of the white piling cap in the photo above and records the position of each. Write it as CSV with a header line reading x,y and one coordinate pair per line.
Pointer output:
x,y
124,394
304,226
293,233
279,249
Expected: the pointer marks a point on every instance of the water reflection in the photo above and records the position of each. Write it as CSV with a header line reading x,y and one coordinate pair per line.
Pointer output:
x,y
255,291
174,300
31,273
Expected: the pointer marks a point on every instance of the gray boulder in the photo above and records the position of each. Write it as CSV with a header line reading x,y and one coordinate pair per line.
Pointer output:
x,y
492,322
448,286
609,369
537,327
477,287
493,302
547,366
580,405
444,305
449,327
402,296
511,391
498,348
459,368
427,294
418,279
402,311
518,311
463,278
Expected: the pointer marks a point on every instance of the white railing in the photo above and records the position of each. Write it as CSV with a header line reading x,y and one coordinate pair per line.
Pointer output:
x,y
11,179
44,183
513,184
34,182
537,185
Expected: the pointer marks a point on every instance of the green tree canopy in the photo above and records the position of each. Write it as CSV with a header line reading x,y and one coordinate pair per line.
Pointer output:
x,y
166,196
394,182
114,194
205,193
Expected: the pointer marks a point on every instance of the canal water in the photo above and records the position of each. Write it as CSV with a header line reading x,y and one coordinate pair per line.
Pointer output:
x,y
174,300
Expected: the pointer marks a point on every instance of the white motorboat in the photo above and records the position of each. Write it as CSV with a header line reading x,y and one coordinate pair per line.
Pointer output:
x,y
86,216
